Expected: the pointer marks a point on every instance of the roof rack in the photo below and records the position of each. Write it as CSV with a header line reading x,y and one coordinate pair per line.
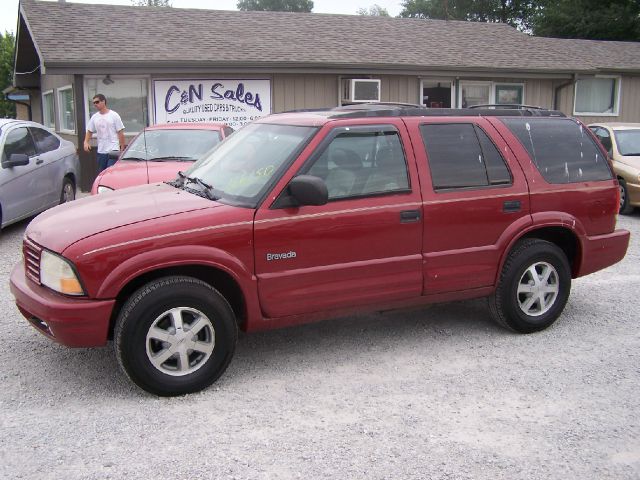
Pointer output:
x,y
402,109
518,106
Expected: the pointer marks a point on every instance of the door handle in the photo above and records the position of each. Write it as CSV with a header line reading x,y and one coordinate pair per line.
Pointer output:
x,y
511,206
409,216
39,161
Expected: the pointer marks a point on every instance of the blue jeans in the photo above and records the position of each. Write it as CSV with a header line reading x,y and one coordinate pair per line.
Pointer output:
x,y
104,161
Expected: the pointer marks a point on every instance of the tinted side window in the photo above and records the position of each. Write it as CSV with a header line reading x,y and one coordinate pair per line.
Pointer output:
x,y
45,141
454,156
18,141
496,168
362,163
461,155
560,148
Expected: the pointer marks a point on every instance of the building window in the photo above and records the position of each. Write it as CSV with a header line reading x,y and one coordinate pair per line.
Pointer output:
x,y
597,96
66,110
437,93
507,94
128,96
474,94
48,111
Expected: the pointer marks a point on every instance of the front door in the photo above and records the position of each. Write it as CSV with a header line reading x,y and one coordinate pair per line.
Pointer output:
x,y
362,247
21,185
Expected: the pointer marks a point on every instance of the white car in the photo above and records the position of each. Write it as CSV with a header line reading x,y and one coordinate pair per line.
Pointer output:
x,y
38,170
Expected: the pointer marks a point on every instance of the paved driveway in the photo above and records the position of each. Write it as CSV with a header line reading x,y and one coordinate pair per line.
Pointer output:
x,y
436,393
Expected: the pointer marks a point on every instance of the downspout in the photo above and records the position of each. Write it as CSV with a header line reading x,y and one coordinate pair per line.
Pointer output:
x,y
556,90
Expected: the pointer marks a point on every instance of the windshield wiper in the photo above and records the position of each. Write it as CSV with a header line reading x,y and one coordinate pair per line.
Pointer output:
x,y
134,158
183,179
171,157
631,154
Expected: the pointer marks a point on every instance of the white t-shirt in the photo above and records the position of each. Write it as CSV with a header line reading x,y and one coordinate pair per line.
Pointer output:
x,y
106,127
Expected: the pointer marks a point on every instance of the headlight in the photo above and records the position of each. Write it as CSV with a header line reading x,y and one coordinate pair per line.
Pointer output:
x,y
57,274
103,189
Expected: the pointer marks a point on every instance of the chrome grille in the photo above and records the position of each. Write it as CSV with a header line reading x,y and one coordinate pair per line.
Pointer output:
x,y
32,252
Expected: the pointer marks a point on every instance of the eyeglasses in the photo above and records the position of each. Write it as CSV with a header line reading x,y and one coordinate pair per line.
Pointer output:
x,y
95,102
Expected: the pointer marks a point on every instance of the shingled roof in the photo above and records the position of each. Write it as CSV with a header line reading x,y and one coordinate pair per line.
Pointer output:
x,y
74,34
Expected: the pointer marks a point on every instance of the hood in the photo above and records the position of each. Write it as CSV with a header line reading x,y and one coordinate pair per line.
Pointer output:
x,y
65,224
632,161
127,173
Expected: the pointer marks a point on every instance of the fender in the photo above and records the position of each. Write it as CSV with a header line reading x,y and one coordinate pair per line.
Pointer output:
x,y
175,256
542,220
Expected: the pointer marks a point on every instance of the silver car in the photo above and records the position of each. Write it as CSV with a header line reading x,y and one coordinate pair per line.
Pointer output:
x,y
39,170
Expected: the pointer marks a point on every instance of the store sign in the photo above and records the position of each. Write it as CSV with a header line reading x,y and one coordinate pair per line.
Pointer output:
x,y
234,102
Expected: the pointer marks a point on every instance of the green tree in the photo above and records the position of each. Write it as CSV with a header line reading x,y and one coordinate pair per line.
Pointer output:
x,y
151,3
7,45
276,5
589,19
375,11
514,12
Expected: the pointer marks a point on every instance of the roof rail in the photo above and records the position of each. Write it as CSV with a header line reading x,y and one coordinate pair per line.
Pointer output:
x,y
507,105
399,109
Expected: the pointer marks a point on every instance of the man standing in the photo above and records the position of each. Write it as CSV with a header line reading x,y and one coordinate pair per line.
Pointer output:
x,y
108,127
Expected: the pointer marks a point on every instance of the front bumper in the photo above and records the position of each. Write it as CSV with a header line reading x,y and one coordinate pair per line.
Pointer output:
x,y
74,322
633,190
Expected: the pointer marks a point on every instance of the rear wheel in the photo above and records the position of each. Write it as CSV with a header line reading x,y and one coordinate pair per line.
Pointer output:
x,y
533,288
175,335
68,193
624,197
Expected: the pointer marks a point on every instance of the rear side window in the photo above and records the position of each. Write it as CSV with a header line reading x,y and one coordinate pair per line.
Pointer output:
x,y
461,155
560,148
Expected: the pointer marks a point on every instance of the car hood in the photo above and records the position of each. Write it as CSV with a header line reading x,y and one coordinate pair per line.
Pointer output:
x,y
62,226
633,161
127,173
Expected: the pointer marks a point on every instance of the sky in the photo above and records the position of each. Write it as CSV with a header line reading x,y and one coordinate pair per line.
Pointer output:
x,y
9,8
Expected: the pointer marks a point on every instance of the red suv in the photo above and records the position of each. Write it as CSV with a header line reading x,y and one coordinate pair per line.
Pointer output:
x,y
309,215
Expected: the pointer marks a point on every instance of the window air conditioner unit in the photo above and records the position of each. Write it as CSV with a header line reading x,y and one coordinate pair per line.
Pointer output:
x,y
356,90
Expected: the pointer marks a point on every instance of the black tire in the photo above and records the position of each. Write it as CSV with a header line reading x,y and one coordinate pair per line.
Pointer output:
x,y
163,304
68,192
625,208
511,308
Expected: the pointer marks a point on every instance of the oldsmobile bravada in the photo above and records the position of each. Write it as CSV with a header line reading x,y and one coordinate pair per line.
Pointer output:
x,y
309,215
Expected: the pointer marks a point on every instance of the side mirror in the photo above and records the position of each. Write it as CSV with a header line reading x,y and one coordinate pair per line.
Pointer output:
x,y
114,154
16,160
304,190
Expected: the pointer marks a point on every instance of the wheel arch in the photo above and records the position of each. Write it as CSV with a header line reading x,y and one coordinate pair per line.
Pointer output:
x,y
217,278
562,236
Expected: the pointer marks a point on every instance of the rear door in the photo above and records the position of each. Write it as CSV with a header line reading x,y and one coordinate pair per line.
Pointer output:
x,y
475,198
51,171
362,247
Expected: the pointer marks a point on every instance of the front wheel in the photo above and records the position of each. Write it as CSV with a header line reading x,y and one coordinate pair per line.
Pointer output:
x,y
625,207
533,288
175,335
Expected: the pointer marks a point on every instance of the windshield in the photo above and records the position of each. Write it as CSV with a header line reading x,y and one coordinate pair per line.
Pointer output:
x,y
246,163
171,145
628,142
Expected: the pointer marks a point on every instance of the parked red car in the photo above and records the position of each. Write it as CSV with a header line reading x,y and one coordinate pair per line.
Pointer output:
x,y
159,152
309,215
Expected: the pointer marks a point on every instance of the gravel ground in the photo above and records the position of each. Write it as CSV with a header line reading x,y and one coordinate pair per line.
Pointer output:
x,y
436,393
